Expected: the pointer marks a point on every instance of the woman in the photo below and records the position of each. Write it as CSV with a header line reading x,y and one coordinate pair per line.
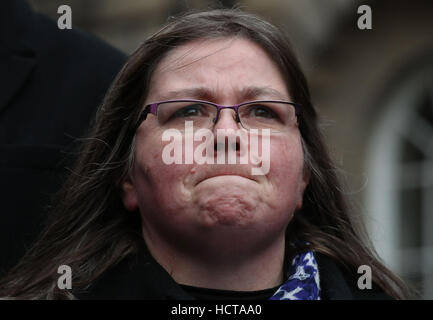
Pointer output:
x,y
132,224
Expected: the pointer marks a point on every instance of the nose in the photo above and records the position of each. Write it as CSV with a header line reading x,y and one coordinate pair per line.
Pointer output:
x,y
227,119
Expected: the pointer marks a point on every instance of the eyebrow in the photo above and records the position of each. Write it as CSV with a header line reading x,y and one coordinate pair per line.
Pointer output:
x,y
203,93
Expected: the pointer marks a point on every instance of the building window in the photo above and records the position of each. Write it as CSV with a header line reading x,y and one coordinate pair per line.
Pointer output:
x,y
400,192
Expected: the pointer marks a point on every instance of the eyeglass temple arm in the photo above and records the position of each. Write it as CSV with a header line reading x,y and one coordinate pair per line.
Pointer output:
x,y
150,108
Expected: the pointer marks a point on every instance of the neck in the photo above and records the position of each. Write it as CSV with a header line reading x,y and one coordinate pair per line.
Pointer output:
x,y
238,264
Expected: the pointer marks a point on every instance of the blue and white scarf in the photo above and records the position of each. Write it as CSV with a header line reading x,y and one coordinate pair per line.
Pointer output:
x,y
303,282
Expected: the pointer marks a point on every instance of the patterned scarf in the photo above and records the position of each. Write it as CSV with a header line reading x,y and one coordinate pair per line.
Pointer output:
x,y
303,282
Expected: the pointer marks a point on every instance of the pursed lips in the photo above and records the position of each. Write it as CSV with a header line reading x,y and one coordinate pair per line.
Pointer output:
x,y
220,174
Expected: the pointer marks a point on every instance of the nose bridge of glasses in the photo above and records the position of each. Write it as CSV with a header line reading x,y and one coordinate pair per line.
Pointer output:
x,y
220,108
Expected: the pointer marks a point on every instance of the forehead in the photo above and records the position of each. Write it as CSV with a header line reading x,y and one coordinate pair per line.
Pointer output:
x,y
222,67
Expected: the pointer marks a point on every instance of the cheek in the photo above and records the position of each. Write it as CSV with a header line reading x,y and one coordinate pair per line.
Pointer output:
x,y
286,169
158,184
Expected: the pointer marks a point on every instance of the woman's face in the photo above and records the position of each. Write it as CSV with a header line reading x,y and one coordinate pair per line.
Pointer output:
x,y
183,203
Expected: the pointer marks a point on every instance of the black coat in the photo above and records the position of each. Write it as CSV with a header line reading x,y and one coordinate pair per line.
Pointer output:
x,y
51,82
140,277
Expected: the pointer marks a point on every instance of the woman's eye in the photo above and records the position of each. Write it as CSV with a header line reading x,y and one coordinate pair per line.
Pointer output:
x,y
189,111
263,112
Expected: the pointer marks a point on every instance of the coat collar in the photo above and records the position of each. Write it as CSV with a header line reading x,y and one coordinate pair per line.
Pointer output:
x,y
140,277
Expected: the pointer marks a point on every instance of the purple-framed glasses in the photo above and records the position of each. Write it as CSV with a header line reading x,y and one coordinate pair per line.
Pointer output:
x,y
277,115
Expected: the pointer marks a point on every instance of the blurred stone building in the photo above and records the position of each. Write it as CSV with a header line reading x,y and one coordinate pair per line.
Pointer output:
x,y
373,89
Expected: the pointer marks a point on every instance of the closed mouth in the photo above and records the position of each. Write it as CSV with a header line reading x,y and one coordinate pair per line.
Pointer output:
x,y
226,174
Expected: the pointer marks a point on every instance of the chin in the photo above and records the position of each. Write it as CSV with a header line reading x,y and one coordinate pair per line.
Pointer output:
x,y
227,217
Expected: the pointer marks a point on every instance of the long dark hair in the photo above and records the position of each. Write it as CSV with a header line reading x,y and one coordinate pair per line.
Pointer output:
x,y
89,228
